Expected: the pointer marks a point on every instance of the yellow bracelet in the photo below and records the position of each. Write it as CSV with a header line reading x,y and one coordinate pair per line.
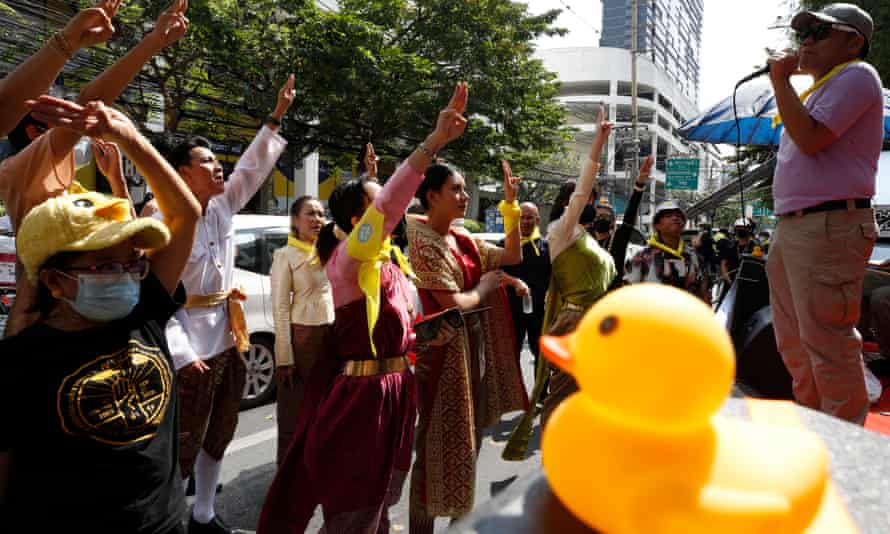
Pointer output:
x,y
510,211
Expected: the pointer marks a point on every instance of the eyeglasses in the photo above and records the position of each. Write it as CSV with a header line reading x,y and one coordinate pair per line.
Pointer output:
x,y
821,32
139,267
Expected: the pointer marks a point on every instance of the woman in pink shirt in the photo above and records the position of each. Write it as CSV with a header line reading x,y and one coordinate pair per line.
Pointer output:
x,y
352,446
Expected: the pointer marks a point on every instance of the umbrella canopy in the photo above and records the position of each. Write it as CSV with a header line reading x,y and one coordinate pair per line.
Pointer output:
x,y
756,106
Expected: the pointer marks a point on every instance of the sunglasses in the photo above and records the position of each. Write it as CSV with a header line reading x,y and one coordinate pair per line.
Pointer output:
x,y
139,268
821,32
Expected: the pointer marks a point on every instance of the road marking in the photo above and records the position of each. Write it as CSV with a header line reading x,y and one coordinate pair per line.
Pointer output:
x,y
251,440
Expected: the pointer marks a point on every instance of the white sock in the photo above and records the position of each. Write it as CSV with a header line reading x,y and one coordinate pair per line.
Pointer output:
x,y
185,485
206,476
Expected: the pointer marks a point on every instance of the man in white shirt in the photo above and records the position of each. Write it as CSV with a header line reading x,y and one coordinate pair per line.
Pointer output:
x,y
204,336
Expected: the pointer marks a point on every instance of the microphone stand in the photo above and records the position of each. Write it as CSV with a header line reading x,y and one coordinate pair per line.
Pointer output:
x,y
738,129
738,144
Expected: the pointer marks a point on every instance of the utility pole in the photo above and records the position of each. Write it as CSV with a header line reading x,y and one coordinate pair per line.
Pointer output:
x,y
634,132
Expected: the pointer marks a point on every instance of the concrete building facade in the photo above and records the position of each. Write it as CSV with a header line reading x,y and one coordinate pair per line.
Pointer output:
x,y
669,34
593,76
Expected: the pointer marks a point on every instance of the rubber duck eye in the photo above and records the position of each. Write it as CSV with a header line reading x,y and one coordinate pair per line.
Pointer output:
x,y
83,203
608,325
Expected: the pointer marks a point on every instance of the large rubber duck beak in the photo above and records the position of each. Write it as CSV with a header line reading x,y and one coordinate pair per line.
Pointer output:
x,y
557,349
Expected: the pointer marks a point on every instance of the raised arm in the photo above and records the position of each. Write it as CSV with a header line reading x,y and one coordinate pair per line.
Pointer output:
x,y
258,161
110,164
512,240
584,186
180,208
398,191
622,233
391,201
169,27
34,77
370,162
810,135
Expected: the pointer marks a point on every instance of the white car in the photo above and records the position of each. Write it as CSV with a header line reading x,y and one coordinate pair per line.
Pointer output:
x,y
7,276
256,238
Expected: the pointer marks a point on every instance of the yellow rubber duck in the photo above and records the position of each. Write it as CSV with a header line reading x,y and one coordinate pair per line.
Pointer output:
x,y
640,447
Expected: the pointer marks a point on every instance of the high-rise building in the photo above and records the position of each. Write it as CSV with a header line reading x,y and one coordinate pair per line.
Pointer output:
x,y
669,33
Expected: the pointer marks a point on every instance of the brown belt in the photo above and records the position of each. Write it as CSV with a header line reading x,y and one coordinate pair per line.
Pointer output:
x,y
375,367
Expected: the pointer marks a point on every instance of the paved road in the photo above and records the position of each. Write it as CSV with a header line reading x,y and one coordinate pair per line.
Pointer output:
x,y
249,467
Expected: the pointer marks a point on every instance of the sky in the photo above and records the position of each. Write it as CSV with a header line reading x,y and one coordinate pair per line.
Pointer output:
x,y
733,38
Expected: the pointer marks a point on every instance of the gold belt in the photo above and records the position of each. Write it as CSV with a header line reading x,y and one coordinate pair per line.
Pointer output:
x,y
375,367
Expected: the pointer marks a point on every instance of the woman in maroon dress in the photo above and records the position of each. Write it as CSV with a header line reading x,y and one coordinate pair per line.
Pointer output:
x,y
352,446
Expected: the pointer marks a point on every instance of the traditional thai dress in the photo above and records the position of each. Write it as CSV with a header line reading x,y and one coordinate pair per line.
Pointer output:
x,y
581,273
465,385
351,449
303,312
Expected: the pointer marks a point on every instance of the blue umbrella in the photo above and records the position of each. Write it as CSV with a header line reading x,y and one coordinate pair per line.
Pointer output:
x,y
756,108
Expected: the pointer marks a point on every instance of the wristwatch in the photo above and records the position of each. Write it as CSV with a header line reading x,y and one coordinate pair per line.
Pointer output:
x,y
272,120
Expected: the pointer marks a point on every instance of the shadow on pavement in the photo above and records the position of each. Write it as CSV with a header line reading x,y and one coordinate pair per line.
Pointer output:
x,y
241,501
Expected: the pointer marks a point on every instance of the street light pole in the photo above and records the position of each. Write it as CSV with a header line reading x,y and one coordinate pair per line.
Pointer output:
x,y
635,137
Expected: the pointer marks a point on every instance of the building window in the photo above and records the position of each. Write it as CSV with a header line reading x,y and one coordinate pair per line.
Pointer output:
x,y
584,88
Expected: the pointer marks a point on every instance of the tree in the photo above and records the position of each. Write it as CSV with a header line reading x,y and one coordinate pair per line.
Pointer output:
x,y
375,70
879,52
379,70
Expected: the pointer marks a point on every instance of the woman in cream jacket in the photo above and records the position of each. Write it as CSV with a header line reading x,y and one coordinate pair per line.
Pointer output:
x,y
304,312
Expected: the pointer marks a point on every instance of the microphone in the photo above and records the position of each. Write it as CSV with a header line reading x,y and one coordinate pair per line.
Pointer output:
x,y
756,74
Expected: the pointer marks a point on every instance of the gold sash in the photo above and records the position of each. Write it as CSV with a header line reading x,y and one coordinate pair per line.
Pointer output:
x,y
232,299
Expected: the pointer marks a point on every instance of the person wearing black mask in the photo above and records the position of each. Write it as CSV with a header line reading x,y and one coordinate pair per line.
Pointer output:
x,y
731,250
602,227
600,221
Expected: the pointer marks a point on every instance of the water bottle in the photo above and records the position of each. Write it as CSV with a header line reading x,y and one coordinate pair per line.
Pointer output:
x,y
527,306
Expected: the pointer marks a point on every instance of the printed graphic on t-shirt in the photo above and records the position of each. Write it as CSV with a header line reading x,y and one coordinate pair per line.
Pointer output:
x,y
117,399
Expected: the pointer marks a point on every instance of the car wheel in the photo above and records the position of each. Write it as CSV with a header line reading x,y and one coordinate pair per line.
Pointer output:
x,y
259,388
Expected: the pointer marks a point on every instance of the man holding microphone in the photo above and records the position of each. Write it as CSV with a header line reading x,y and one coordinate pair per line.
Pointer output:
x,y
823,185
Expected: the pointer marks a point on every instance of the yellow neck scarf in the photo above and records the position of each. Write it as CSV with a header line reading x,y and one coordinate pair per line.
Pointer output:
x,y
536,234
369,283
678,252
308,248
777,120
367,245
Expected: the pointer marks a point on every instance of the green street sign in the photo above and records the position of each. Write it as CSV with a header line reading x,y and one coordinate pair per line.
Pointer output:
x,y
758,209
682,173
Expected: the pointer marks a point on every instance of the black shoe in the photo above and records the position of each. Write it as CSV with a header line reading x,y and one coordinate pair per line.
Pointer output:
x,y
190,490
215,526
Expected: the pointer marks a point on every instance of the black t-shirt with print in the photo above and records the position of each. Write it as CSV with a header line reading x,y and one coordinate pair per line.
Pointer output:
x,y
90,424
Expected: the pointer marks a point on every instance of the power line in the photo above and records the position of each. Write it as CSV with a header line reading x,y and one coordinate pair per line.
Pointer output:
x,y
582,19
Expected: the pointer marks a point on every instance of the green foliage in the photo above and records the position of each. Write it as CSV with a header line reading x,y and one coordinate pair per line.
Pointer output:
x,y
879,54
374,71
474,226
380,70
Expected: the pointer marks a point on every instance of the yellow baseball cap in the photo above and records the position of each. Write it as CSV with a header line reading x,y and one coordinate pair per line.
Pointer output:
x,y
82,222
